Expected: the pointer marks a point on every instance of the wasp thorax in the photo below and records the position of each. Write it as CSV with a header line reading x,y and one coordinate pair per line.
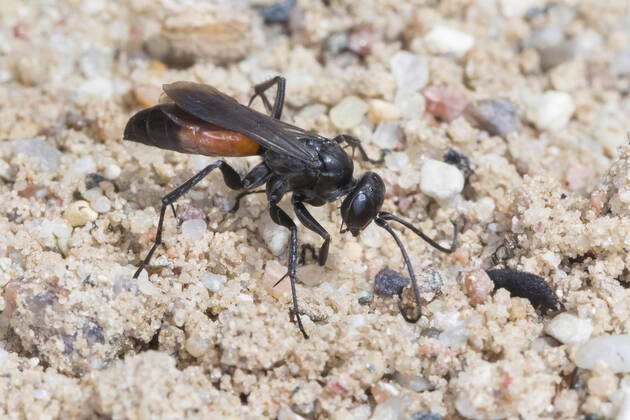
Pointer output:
x,y
363,203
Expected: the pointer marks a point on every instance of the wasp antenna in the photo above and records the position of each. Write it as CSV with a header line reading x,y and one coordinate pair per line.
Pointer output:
x,y
382,222
388,216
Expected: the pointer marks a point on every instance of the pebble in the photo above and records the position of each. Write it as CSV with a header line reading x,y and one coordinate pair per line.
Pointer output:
x,y
444,102
414,383
390,409
348,113
569,329
380,111
336,43
213,282
445,40
79,213
194,228
146,287
363,38
621,64
478,286
397,161
411,71
112,171
389,282
388,135
277,12
552,111
196,346
610,135
614,350
94,63
6,171
276,237
411,104
41,394
285,413
498,117
425,415
440,180
97,200
46,156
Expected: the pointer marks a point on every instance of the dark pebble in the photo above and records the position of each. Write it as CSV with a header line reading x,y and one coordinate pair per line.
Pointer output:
x,y
497,117
528,286
277,12
365,300
430,332
389,282
92,180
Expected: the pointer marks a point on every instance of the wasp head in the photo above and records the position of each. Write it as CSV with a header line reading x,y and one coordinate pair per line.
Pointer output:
x,y
363,203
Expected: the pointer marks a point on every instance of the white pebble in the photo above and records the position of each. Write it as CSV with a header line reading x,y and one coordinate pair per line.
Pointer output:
x,y
146,288
6,171
387,135
613,350
411,71
390,409
348,113
102,204
79,213
41,394
112,171
410,103
45,155
196,346
194,229
213,282
382,111
552,111
444,40
440,180
569,329
276,237
397,161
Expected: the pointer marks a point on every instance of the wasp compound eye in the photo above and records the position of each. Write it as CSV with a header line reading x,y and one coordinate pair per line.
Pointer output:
x,y
363,203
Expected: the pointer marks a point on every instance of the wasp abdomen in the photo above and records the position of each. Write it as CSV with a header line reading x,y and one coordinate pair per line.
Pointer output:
x,y
169,127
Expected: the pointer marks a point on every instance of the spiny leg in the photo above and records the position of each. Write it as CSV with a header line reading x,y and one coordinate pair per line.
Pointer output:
x,y
356,143
276,110
280,217
310,223
231,178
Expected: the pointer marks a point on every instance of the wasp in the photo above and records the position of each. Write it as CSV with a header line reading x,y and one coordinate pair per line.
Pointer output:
x,y
199,119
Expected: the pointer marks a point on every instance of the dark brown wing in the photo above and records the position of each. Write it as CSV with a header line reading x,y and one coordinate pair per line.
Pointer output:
x,y
213,106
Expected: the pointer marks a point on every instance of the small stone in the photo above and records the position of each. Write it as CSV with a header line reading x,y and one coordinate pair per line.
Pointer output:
x,y
411,104
348,113
444,102
46,156
285,413
146,287
397,161
552,111
194,229
440,180
380,111
391,409
147,95
569,329
445,40
362,39
497,117
411,71
112,171
79,213
277,12
555,55
196,346
213,282
478,286
388,135
41,394
610,136
336,43
414,383
6,171
389,282
97,200
613,350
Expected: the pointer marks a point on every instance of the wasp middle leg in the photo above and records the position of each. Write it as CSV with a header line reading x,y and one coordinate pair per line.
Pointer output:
x,y
355,143
276,110
310,223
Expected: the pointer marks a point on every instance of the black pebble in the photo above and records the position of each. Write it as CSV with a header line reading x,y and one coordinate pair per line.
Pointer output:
x,y
426,415
92,180
389,282
277,12
528,286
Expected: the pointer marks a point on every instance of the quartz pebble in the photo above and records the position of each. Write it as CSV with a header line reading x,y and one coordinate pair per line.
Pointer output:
x,y
391,409
445,40
411,71
497,117
213,282
348,113
79,213
552,111
277,12
440,180
444,102
569,329
6,171
380,110
478,286
613,350
46,156
194,228
411,104
426,415
112,171
276,237
389,282
388,135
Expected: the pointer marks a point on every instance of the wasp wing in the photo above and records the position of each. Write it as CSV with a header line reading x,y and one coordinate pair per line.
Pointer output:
x,y
211,105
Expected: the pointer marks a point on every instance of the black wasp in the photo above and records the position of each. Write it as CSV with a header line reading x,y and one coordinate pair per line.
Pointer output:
x,y
199,119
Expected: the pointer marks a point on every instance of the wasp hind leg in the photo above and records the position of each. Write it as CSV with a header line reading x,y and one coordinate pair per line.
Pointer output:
x,y
355,143
231,178
274,110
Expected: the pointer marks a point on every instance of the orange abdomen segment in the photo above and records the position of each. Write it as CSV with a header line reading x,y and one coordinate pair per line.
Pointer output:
x,y
212,140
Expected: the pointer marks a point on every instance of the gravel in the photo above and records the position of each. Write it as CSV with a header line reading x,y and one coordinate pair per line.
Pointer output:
x,y
613,350
498,117
552,110
440,180
446,40
411,71
569,329
389,282
348,113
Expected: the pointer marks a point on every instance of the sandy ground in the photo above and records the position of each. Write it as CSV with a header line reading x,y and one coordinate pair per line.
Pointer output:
x,y
534,94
